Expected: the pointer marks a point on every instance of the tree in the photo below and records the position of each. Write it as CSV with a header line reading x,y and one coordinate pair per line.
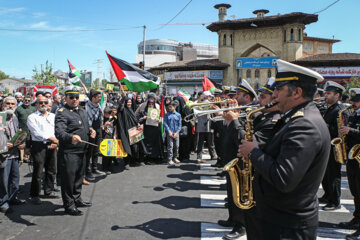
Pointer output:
x,y
3,75
95,83
104,82
354,83
45,76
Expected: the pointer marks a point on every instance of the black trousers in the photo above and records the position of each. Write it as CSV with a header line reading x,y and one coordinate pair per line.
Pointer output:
x,y
353,175
185,147
43,157
209,138
72,172
93,152
106,163
332,180
275,232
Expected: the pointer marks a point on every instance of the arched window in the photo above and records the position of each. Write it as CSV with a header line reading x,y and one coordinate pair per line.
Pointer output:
x,y
299,37
231,40
269,73
248,75
257,78
292,35
224,40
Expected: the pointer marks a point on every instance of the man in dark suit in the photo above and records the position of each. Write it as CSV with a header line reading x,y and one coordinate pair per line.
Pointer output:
x,y
288,171
71,128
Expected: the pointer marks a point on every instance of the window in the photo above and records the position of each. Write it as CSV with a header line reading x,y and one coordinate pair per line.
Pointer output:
x,y
269,73
231,40
292,35
299,37
248,75
284,35
257,78
224,40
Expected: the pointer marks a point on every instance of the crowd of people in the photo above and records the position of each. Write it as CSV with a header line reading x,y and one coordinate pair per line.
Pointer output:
x,y
290,148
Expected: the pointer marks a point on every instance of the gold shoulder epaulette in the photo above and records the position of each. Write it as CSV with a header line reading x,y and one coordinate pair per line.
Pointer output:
x,y
298,114
60,109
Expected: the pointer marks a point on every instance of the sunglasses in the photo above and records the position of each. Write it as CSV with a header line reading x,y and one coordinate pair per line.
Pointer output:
x,y
74,96
43,102
8,103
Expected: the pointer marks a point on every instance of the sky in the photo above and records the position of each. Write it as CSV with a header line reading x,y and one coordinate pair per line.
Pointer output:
x,y
21,51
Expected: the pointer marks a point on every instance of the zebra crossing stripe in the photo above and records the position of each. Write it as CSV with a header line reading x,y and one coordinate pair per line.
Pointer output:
x,y
212,180
213,231
332,233
212,200
207,166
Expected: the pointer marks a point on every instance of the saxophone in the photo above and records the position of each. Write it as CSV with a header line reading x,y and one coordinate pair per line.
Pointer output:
x,y
354,153
241,175
339,142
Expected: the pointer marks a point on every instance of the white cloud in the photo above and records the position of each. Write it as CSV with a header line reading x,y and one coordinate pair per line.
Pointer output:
x,y
39,14
42,24
4,11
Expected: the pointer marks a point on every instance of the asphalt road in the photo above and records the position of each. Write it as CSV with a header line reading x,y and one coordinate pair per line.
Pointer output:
x,y
148,202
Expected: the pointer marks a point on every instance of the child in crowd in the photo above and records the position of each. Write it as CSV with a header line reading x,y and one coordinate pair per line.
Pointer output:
x,y
172,124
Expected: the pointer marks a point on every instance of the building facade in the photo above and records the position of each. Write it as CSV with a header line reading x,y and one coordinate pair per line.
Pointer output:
x,y
158,51
250,45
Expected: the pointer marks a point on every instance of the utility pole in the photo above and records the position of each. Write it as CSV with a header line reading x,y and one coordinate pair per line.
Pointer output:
x,y
99,70
144,47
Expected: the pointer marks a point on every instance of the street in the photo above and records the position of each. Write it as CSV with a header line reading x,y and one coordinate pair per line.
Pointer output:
x,y
149,202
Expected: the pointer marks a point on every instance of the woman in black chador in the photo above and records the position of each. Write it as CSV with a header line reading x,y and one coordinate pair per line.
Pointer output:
x,y
127,120
152,136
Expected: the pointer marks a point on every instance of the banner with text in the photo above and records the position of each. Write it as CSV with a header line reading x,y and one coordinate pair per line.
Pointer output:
x,y
193,75
338,71
261,62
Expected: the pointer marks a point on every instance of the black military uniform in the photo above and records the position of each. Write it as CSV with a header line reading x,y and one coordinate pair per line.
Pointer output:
x,y
70,122
332,179
288,171
353,167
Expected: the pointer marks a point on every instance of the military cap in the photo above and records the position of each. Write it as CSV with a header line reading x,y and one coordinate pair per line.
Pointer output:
x,y
289,72
268,88
232,91
244,86
333,86
217,92
71,90
354,94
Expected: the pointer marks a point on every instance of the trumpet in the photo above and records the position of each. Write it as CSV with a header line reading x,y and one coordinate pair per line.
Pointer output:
x,y
192,105
198,113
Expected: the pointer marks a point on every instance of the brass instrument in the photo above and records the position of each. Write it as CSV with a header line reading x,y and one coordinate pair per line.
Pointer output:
x,y
354,153
241,177
198,113
339,142
191,105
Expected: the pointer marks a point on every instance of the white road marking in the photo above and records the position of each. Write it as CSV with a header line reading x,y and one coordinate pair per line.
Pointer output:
x,y
212,180
213,200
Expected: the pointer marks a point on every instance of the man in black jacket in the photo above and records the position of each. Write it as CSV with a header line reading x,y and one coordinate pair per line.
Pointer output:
x,y
352,132
288,171
332,178
71,128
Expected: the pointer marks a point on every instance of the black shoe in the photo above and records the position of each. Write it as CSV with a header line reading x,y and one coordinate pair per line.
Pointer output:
x,y
221,174
323,200
331,207
225,223
73,211
17,201
226,205
354,236
83,204
89,177
235,234
51,195
97,172
352,224
35,200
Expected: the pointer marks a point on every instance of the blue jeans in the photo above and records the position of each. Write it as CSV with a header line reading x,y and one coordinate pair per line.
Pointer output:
x,y
9,180
172,147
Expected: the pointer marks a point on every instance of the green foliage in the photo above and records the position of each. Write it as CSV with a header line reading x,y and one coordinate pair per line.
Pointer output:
x,y
3,75
354,83
45,75
95,83
104,82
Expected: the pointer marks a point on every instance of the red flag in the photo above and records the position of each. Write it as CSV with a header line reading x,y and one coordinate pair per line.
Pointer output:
x,y
208,85
162,115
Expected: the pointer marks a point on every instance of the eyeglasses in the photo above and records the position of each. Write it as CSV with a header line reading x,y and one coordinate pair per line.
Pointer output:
x,y
74,96
43,102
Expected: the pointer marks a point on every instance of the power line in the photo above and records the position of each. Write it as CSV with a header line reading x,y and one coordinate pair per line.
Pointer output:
x,y
173,17
327,7
65,30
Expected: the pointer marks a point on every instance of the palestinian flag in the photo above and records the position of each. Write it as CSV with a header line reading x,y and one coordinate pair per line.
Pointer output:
x,y
74,75
162,114
208,85
136,79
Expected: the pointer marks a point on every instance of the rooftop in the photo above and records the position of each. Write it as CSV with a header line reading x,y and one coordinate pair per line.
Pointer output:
x,y
321,39
202,64
330,59
266,21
